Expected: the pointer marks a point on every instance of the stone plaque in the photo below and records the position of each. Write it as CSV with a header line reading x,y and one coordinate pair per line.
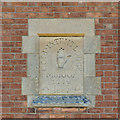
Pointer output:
x,y
61,65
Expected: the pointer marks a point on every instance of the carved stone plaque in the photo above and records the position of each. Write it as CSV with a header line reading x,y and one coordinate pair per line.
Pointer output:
x,y
61,65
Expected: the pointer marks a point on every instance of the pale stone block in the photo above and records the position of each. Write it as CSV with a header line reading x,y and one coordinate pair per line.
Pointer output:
x,y
61,26
92,85
92,99
89,64
28,86
61,65
92,44
33,66
29,100
30,44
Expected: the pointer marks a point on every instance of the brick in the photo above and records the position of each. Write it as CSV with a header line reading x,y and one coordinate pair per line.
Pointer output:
x,y
45,15
43,9
16,38
107,61
109,97
107,67
16,50
80,9
18,110
19,3
83,110
69,110
7,80
19,104
99,26
108,116
99,73
99,97
20,68
22,33
99,61
8,56
6,50
56,116
5,110
82,116
44,3
16,62
15,86
44,110
18,97
5,98
69,3
7,104
30,116
31,9
8,21
8,9
21,21
106,32
106,104
32,15
8,32
20,74
7,91
56,9
57,110
7,15
57,3
108,73
7,116
4,86
110,14
76,14
95,110
7,27
94,3
107,20
108,110
20,15
109,91
108,56
69,116
9,68
20,26
43,115
95,116
91,14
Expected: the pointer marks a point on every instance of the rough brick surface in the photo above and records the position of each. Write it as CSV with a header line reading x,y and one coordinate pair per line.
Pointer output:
x,y
14,21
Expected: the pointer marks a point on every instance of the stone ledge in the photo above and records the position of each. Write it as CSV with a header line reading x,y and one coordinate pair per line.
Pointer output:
x,y
61,101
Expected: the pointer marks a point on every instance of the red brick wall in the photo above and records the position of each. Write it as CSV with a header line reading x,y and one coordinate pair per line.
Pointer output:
x,y
15,17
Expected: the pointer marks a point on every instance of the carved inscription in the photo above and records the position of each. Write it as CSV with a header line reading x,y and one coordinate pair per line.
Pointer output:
x,y
61,65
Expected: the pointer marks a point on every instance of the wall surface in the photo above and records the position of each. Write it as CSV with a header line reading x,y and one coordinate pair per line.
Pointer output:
x,y
15,16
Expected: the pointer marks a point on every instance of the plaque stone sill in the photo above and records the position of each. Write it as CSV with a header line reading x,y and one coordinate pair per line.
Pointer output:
x,y
60,101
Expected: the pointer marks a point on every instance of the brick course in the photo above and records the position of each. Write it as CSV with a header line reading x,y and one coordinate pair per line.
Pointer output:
x,y
15,17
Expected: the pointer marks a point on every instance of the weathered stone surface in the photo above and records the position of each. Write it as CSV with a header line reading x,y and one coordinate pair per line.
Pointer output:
x,y
92,44
92,85
61,26
89,64
61,65
28,86
33,66
29,100
92,100
30,44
